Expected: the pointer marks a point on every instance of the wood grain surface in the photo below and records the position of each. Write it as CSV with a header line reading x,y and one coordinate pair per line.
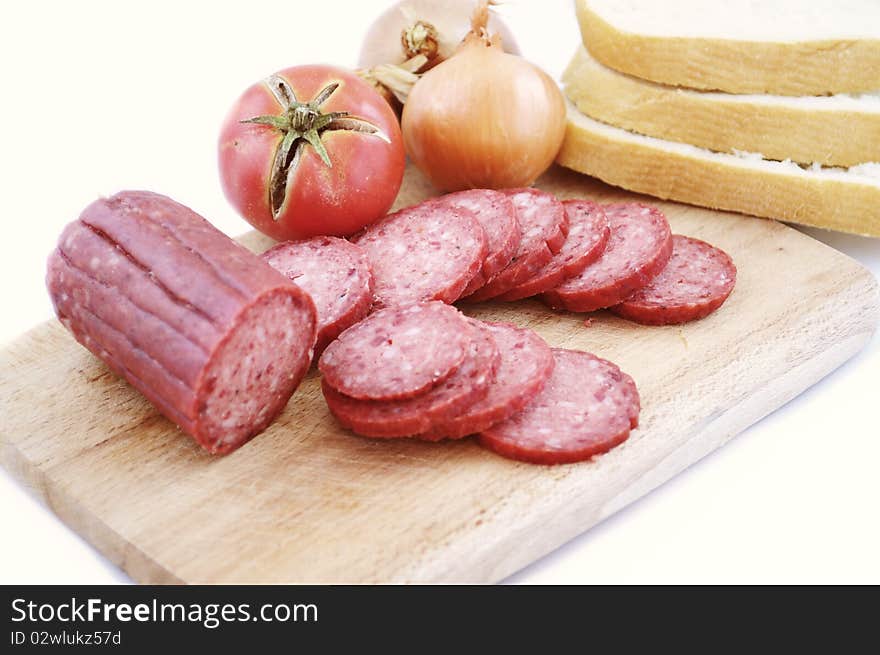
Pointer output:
x,y
308,502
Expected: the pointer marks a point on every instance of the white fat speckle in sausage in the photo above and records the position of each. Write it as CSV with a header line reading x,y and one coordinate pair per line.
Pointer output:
x,y
423,253
397,352
336,275
637,249
586,407
695,281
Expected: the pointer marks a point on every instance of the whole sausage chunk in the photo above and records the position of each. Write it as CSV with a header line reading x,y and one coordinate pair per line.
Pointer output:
x,y
335,273
214,337
638,249
696,281
414,416
588,233
495,212
543,227
587,407
423,253
526,364
398,352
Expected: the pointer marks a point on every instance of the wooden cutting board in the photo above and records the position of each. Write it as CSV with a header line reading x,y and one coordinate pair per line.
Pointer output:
x,y
307,502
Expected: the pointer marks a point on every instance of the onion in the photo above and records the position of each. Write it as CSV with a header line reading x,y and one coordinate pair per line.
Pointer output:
x,y
483,118
394,81
433,28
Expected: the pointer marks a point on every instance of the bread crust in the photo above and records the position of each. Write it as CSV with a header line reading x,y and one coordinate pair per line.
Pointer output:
x,y
735,66
717,181
717,121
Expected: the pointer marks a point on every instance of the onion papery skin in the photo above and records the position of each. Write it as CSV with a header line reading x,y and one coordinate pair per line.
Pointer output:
x,y
451,19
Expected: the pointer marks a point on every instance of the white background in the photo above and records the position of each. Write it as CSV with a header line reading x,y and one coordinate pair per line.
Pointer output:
x,y
100,96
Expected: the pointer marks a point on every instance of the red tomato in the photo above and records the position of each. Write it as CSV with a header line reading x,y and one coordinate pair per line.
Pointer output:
x,y
272,167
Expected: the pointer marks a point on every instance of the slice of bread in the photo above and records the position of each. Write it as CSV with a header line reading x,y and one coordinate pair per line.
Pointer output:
x,y
782,47
832,198
837,130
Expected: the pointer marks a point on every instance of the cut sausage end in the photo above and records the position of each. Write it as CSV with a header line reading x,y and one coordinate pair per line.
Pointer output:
x,y
638,249
526,364
587,407
335,273
544,225
697,280
421,414
254,372
587,238
397,352
422,253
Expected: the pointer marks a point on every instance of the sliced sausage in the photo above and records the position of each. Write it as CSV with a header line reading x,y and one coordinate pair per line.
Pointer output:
x,y
638,249
425,252
588,232
526,363
398,352
495,212
413,416
213,336
586,408
696,281
335,273
543,226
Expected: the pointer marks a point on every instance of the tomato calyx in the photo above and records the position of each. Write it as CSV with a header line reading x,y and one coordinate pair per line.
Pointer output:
x,y
302,123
